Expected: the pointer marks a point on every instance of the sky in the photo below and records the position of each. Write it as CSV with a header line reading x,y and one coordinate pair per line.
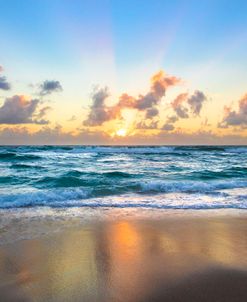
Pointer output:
x,y
123,72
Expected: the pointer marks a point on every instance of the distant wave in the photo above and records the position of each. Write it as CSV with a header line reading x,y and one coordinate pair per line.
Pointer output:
x,y
117,174
200,148
20,157
7,155
21,166
232,172
80,179
121,149
236,149
129,149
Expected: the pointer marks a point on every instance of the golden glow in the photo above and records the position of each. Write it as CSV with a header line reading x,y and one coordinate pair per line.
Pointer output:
x,y
121,132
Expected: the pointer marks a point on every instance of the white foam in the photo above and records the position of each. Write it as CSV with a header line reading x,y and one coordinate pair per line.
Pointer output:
x,y
191,186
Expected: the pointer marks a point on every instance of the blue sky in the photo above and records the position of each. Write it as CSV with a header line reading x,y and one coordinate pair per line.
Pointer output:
x,y
138,28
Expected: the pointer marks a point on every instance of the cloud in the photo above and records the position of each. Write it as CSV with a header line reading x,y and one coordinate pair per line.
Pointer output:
x,y
178,106
42,112
146,102
147,126
19,110
168,127
47,135
159,84
151,112
184,104
235,118
196,101
51,136
48,87
4,84
101,113
172,119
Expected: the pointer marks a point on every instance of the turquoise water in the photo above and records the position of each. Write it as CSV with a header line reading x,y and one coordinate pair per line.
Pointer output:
x,y
139,177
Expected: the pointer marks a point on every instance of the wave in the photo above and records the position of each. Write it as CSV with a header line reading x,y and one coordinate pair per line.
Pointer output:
x,y
118,174
79,198
129,149
199,148
110,174
25,150
52,196
14,156
96,149
191,186
42,198
48,175
232,172
7,155
240,149
9,180
41,148
26,167
63,181
81,179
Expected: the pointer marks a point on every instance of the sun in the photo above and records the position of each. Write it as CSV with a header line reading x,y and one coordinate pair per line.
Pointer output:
x,y
121,132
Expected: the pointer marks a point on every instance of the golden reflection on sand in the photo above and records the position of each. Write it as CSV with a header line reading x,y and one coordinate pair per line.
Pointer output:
x,y
129,261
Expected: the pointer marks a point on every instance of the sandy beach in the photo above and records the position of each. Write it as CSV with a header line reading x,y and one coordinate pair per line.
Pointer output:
x,y
187,258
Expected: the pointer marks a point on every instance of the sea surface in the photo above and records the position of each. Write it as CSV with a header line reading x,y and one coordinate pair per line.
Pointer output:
x,y
193,177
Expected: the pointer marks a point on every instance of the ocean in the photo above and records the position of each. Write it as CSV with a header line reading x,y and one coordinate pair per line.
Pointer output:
x,y
163,177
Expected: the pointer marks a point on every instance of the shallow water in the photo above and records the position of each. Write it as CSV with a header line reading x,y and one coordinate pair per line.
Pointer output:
x,y
209,177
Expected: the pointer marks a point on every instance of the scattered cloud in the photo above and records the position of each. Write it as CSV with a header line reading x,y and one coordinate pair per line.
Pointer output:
x,y
172,119
4,84
56,135
178,106
147,125
48,87
168,127
20,110
235,118
101,113
184,104
196,102
152,112
42,112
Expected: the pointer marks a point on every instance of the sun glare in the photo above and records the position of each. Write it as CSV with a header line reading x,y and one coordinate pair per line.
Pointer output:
x,y
121,132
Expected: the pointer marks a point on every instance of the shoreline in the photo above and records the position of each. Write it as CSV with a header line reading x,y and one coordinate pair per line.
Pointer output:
x,y
29,223
185,257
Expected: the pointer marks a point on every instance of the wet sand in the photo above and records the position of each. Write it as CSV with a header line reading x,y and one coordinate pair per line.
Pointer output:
x,y
170,259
